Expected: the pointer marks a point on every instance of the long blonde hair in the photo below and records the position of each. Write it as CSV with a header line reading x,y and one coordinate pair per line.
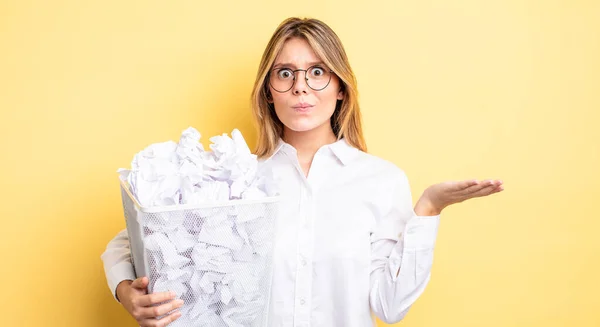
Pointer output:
x,y
346,120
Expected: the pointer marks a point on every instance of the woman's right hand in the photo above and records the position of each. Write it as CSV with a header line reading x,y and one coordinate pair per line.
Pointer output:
x,y
134,296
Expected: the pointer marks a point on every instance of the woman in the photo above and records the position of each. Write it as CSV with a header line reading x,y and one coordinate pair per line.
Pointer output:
x,y
349,245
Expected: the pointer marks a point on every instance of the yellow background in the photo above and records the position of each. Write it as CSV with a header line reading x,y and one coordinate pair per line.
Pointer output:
x,y
449,90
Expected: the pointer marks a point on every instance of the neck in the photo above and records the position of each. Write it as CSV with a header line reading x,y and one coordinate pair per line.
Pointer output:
x,y
308,143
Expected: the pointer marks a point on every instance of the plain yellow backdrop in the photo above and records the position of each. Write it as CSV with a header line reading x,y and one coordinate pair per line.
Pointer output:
x,y
449,90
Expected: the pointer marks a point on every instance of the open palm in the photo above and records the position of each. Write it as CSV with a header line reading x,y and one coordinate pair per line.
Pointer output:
x,y
438,196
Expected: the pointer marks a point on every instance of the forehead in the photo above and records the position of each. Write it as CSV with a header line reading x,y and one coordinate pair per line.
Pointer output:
x,y
296,52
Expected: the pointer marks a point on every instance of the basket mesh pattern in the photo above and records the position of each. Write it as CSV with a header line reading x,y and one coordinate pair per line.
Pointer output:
x,y
217,259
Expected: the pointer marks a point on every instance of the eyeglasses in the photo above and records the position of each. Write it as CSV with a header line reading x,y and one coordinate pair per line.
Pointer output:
x,y
317,78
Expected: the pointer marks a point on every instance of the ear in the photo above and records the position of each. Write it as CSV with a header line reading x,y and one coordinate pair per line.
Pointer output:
x,y
340,95
269,97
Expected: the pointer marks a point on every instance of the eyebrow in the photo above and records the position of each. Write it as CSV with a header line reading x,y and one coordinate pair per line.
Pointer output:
x,y
286,64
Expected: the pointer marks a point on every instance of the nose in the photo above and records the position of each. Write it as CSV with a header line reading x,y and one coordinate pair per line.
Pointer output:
x,y
300,83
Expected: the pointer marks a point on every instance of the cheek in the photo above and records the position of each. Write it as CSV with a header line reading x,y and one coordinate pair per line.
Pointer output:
x,y
277,97
329,95
333,88
279,102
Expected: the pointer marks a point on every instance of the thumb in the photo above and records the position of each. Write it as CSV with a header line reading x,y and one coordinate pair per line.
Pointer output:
x,y
141,282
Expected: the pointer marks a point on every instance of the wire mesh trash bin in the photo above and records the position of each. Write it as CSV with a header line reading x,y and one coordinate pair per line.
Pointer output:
x,y
217,258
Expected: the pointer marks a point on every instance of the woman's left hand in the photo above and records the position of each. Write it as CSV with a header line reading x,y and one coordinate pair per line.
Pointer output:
x,y
437,197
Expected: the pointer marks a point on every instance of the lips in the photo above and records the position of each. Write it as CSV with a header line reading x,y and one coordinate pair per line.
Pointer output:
x,y
302,105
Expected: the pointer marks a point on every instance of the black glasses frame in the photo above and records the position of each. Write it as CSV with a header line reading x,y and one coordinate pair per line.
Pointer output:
x,y
294,80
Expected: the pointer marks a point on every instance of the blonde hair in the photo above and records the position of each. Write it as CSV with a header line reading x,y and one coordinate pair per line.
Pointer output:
x,y
346,120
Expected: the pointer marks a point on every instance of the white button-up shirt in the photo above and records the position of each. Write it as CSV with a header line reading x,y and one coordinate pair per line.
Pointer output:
x,y
348,247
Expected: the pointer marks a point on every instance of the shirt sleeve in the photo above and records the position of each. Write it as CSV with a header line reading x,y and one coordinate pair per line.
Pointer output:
x,y
117,262
402,246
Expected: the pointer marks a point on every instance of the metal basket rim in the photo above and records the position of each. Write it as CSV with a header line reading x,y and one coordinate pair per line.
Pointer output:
x,y
206,205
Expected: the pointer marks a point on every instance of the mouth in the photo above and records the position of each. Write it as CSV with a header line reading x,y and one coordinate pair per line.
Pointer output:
x,y
302,107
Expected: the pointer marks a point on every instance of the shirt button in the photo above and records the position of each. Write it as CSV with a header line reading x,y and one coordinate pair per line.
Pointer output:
x,y
303,262
302,302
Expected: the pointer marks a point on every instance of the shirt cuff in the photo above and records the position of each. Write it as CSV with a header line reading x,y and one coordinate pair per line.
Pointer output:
x,y
118,273
421,232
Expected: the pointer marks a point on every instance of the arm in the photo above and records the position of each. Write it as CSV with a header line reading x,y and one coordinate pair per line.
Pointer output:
x,y
117,262
402,254
133,293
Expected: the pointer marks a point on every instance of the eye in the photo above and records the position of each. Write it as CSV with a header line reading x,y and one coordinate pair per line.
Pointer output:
x,y
285,73
317,71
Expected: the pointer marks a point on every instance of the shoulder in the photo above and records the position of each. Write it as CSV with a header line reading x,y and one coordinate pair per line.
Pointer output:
x,y
386,183
379,165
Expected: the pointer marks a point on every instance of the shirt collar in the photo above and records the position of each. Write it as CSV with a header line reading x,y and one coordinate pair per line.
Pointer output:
x,y
343,151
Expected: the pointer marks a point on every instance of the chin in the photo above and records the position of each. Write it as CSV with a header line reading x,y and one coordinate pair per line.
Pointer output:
x,y
301,125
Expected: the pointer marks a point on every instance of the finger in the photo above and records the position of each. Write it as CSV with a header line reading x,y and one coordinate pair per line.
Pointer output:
x,y
154,298
462,185
162,322
141,282
159,310
473,189
498,188
484,191
483,184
